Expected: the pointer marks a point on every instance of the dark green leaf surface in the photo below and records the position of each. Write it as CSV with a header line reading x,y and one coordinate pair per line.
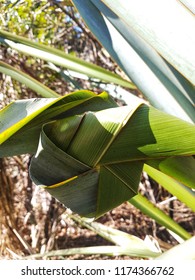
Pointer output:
x,y
103,152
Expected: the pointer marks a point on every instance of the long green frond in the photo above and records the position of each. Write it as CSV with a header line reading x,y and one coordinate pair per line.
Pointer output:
x,y
58,57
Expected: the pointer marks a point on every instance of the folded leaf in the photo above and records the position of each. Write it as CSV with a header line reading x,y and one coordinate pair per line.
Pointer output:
x,y
93,162
21,121
76,178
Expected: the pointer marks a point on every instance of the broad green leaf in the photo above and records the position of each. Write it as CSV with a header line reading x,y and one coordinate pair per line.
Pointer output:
x,y
58,57
175,83
19,113
138,60
108,124
183,193
74,174
151,134
188,91
181,168
117,183
23,118
64,176
158,215
23,142
78,193
173,39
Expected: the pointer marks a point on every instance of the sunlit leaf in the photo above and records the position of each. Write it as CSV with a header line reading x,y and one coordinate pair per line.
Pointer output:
x,y
160,83
183,193
60,58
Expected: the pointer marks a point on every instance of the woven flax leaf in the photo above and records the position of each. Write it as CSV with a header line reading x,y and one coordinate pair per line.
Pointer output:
x,y
92,162
67,162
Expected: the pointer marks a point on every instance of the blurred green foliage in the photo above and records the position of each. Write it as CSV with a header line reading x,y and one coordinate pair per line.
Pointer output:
x,y
56,24
33,19
44,22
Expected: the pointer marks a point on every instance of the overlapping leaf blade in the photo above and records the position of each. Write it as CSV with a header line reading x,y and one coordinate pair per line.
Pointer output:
x,y
181,168
58,57
109,147
177,85
183,193
25,118
152,134
148,25
152,211
76,172
161,84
